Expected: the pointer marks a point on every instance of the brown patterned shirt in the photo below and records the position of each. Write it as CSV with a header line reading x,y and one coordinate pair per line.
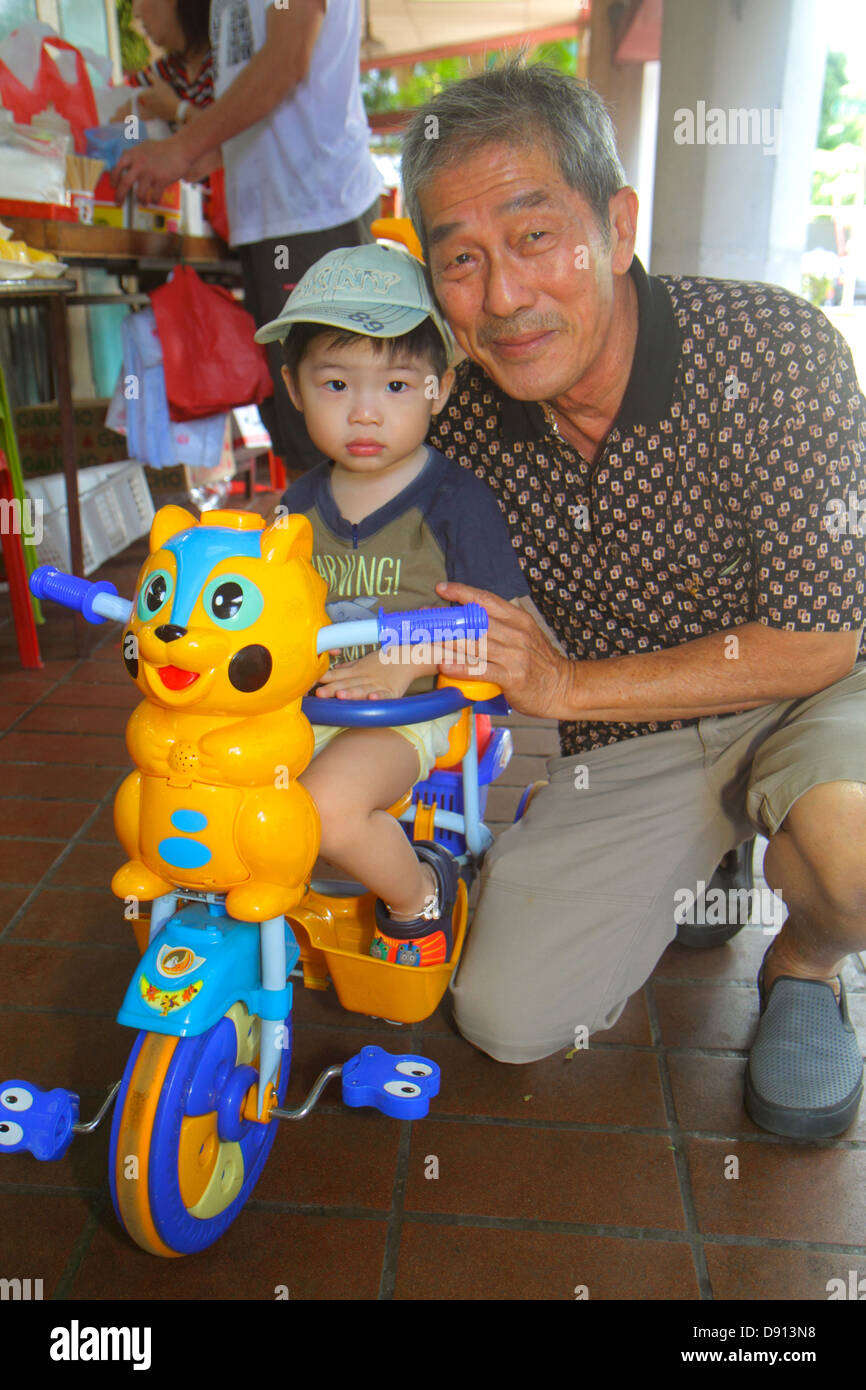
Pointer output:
x,y
728,490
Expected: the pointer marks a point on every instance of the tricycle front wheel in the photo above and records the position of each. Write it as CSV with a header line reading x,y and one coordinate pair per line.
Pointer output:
x,y
183,1159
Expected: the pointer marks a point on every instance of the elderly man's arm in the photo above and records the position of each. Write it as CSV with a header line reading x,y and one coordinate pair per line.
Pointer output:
x,y
268,78
740,668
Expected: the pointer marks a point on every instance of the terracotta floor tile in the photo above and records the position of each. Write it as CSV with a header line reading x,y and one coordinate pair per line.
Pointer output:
x,y
59,914
632,1026
22,689
89,749
470,1262
84,1166
708,1094
89,865
723,1016
74,719
595,1086
25,861
316,1007
783,1192
738,959
50,783
95,695
343,1160
22,686
752,1273
102,829
39,1234
55,820
544,1175
80,1052
314,1049
310,1257
111,672
86,979
10,901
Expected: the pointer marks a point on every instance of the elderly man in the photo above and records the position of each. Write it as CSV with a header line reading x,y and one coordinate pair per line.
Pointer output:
x,y
676,458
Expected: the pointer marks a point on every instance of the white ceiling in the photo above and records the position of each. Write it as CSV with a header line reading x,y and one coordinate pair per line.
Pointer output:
x,y
408,26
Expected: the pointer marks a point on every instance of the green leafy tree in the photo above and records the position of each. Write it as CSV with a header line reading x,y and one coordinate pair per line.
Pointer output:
x,y
133,48
403,88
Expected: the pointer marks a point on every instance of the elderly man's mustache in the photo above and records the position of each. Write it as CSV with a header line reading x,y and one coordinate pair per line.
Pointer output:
x,y
497,329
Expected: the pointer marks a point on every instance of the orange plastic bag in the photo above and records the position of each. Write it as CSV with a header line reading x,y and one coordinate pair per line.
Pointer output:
x,y
215,203
204,325
74,101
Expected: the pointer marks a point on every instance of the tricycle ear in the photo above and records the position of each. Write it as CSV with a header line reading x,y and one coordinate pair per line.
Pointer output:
x,y
168,522
288,538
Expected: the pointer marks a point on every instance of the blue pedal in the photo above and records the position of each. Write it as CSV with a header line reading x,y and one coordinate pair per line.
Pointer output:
x,y
400,1085
40,1121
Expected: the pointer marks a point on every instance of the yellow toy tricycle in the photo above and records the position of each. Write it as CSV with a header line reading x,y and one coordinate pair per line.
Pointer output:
x,y
226,634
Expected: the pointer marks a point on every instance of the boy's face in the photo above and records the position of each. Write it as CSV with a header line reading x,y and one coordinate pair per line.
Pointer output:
x,y
363,409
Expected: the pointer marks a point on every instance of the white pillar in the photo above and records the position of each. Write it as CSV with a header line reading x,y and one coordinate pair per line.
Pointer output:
x,y
741,84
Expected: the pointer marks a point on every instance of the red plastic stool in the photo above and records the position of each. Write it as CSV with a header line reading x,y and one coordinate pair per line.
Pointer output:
x,y
16,573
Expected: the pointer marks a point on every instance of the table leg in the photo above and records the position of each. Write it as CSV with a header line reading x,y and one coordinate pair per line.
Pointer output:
x,y
58,343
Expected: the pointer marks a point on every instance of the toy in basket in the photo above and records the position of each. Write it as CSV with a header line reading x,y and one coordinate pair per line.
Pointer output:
x,y
225,634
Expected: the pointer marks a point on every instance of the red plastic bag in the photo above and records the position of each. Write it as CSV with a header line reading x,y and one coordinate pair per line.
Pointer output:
x,y
74,101
211,360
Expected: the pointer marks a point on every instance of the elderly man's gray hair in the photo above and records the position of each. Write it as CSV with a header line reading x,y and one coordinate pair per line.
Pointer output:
x,y
520,105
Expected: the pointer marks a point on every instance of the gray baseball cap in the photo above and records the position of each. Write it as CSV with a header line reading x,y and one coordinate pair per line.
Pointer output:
x,y
376,290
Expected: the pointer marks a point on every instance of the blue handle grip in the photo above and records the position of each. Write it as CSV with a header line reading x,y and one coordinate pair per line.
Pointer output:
x,y
49,582
432,624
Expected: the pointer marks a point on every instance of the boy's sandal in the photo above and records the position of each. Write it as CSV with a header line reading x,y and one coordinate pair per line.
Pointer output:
x,y
804,1077
444,867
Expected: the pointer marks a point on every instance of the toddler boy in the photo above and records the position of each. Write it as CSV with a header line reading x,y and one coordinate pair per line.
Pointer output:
x,y
367,360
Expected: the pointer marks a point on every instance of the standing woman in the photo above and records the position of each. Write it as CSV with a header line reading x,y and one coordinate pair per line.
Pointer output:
x,y
181,81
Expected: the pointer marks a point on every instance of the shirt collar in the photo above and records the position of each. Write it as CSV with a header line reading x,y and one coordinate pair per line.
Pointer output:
x,y
650,385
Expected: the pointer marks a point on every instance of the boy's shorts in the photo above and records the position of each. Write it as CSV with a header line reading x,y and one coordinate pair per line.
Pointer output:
x,y
429,739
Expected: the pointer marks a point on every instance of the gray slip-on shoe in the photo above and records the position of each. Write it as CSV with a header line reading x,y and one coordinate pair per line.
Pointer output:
x,y
804,1077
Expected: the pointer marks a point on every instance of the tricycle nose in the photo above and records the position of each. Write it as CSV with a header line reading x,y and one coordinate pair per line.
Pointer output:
x,y
168,632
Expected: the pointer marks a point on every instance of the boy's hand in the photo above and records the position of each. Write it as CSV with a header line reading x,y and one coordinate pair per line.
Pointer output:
x,y
369,678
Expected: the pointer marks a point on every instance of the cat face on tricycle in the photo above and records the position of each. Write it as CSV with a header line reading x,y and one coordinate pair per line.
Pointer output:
x,y
226,613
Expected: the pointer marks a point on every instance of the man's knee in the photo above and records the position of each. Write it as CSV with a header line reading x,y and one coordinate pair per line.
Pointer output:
x,y
826,827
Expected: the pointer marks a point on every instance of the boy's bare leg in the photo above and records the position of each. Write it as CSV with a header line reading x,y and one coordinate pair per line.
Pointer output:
x,y
353,781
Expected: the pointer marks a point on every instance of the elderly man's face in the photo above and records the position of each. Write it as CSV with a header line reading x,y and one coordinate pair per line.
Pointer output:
x,y
520,267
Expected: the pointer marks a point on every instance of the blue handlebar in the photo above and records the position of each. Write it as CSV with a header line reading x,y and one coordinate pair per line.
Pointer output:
x,y
431,624
95,601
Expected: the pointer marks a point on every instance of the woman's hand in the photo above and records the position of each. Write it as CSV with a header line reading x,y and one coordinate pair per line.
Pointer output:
x,y
149,168
369,678
158,101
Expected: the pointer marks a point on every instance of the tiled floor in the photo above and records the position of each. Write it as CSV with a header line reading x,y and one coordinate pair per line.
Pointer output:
x,y
610,1171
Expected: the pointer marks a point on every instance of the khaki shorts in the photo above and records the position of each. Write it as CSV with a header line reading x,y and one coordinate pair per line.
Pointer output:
x,y
430,739
578,899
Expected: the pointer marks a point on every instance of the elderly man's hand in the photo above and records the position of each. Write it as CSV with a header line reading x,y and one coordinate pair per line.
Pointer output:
x,y
149,168
534,677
